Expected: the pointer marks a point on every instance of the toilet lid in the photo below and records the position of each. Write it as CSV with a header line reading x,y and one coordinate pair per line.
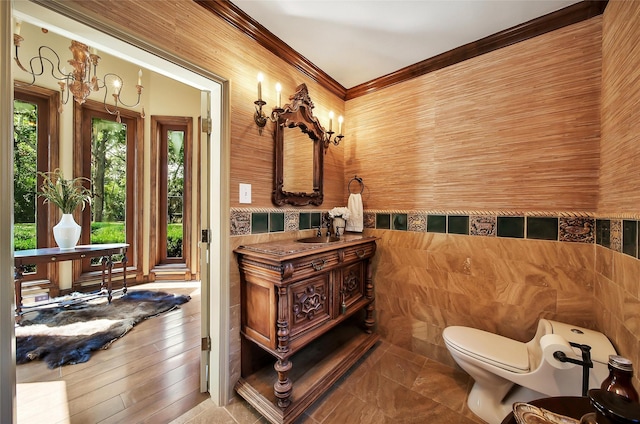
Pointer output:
x,y
492,348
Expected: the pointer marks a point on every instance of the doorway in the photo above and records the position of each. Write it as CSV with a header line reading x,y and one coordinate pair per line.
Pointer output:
x,y
214,163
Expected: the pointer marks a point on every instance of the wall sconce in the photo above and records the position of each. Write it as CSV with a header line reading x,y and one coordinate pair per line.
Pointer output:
x,y
82,80
261,118
330,133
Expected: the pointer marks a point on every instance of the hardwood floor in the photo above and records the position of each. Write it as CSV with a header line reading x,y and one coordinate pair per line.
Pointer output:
x,y
151,375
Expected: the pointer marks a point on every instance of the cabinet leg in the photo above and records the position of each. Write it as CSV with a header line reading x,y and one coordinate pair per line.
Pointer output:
x,y
369,321
283,387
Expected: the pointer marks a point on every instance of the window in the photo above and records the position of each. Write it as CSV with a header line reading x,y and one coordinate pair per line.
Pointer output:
x,y
173,142
35,150
107,152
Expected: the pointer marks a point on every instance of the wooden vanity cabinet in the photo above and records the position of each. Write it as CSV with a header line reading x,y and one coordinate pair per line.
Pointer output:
x,y
308,306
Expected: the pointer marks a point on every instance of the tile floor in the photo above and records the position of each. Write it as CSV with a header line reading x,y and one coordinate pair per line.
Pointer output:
x,y
388,385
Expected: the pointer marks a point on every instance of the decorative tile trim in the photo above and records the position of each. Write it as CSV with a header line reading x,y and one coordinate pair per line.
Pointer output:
x,y
240,223
572,227
369,220
580,230
550,214
417,222
483,225
616,235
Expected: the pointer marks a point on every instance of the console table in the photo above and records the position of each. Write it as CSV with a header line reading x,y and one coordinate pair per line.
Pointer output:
x,y
55,254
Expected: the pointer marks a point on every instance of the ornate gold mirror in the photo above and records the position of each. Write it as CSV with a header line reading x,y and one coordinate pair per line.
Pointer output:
x,y
298,164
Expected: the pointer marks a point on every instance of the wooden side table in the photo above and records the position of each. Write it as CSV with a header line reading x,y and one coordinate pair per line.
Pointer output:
x,y
55,254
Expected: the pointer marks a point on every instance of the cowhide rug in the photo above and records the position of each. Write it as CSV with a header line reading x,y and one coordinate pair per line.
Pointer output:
x,y
68,334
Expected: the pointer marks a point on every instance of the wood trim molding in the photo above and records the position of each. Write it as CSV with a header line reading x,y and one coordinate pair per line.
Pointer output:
x,y
252,28
567,16
564,17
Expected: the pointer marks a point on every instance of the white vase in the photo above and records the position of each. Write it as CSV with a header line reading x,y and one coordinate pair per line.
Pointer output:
x,y
66,232
338,225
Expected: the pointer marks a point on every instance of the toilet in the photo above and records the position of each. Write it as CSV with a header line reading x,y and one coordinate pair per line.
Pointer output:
x,y
507,371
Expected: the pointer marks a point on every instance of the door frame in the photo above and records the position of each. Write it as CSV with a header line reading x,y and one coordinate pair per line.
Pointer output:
x,y
7,335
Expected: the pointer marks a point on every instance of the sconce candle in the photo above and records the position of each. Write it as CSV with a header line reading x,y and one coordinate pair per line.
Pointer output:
x,y
260,78
330,121
117,87
340,121
278,92
18,26
140,77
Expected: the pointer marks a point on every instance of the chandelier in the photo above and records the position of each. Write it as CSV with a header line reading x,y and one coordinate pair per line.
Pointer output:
x,y
82,80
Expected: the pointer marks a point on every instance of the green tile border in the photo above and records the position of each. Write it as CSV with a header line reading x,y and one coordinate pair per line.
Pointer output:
x,y
259,223
511,226
542,228
276,222
383,221
621,235
458,224
630,238
436,223
399,221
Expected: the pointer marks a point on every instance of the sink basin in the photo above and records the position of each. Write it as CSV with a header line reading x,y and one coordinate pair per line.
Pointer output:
x,y
318,239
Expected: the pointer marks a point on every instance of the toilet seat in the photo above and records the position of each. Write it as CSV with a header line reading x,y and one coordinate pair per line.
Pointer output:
x,y
494,349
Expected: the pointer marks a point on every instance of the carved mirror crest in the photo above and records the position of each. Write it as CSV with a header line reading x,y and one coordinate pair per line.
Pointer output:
x,y
298,164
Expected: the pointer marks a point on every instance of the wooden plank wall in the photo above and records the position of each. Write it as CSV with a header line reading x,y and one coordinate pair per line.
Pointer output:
x,y
517,129
620,143
190,31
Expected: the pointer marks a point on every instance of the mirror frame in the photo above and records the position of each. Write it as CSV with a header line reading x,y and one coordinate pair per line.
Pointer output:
x,y
298,115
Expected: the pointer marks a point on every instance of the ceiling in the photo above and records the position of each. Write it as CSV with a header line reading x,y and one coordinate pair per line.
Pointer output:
x,y
356,41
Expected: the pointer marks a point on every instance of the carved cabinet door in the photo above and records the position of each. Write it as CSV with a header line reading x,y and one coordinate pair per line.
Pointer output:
x,y
309,303
350,287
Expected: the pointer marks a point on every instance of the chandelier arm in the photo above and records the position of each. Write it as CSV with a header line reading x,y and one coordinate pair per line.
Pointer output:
x,y
54,66
118,90
17,60
106,93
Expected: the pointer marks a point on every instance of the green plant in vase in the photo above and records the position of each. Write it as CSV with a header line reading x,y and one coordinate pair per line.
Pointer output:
x,y
67,195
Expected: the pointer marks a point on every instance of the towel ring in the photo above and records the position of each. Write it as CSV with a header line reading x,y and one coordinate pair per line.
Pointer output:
x,y
359,181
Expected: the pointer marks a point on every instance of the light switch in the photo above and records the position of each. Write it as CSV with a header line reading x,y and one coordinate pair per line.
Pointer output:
x,y
245,193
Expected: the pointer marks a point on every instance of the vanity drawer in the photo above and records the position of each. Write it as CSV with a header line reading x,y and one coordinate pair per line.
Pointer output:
x,y
314,264
356,253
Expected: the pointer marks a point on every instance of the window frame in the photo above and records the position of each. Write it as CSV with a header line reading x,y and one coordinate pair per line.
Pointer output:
x,y
48,159
83,271
158,260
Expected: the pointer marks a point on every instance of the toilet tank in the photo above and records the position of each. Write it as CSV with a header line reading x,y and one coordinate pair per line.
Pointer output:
x,y
601,347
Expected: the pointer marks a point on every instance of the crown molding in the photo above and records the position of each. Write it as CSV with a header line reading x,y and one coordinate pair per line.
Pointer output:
x,y
240,20
252,28
567,16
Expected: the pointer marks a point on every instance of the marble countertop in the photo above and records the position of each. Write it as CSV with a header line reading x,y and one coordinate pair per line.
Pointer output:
x,y
282,248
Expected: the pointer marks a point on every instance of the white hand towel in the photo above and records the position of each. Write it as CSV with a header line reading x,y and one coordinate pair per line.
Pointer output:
x,y
356,220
